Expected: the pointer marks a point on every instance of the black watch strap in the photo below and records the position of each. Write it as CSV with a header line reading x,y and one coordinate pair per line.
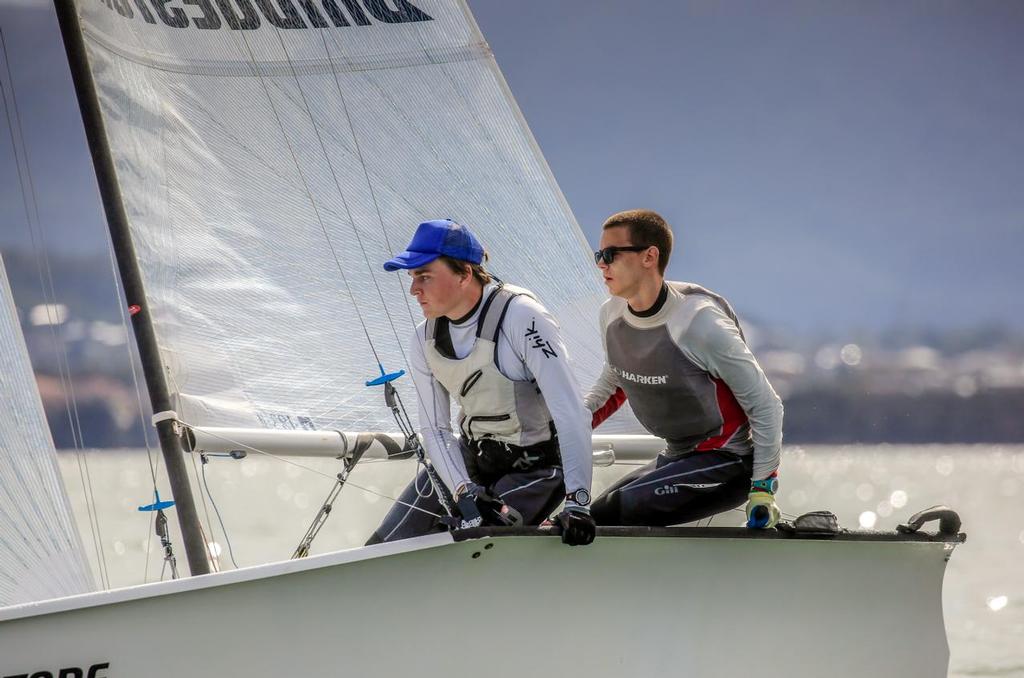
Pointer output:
x,y
579,497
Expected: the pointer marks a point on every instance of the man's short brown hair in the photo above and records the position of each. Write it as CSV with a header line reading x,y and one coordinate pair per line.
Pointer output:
x,y
646,228
460,267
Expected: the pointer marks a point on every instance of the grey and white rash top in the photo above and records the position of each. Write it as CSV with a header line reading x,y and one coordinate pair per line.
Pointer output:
x,y
689,377
530,347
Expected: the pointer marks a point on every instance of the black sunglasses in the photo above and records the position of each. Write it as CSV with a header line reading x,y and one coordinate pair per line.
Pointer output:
x,y
607,255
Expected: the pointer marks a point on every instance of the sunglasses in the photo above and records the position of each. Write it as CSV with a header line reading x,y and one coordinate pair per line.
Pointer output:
x,y
607,255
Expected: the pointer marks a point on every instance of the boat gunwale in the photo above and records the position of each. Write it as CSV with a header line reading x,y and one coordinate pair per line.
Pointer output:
x,y
718,533
361,553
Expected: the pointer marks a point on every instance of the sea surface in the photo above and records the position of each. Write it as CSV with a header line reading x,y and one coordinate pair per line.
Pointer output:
x,y
266,504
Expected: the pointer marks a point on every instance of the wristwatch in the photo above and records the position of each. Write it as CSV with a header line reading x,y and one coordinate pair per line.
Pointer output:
x,y
579,497
769,485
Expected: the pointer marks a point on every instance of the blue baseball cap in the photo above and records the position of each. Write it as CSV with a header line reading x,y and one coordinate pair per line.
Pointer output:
x,y
436,238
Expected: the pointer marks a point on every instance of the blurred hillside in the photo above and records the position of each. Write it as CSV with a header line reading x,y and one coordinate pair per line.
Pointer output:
x,y
905,385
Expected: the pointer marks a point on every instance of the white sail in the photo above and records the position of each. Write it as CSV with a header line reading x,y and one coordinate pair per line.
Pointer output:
x,y
272,155
41,554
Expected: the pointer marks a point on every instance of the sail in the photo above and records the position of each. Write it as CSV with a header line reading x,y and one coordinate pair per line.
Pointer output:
x,y
41,554
273,153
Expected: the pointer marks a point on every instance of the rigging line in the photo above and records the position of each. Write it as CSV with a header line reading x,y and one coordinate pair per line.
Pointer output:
x,y
72,526
89,504
302,177
35,223
105,571
94,510
537,156
122,300
207,541
337,183
373,193
559,198
216,510
458,178
439,438
458,93
366,172
121,294
209,524
265,165
224,130
49,294
341,194
457,181
153,468
242,445
308,192
149,546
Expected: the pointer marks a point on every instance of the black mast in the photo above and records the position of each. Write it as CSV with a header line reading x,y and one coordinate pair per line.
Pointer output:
x,y
131,279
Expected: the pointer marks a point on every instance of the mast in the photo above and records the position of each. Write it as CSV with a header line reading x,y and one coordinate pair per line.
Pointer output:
x,y
131,279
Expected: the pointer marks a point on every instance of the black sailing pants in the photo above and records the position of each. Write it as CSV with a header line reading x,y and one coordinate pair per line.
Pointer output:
x,y
535,494
676,489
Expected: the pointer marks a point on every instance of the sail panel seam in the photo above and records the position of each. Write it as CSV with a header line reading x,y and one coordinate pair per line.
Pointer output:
x,y
323,66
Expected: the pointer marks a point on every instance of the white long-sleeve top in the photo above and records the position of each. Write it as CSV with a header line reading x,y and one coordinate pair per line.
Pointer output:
x,y
529,347
689,376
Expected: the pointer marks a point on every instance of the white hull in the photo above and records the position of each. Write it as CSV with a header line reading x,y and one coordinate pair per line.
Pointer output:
x,y
659,602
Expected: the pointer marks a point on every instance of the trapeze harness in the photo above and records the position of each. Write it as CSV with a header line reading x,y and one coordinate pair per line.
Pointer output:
x,y
505,424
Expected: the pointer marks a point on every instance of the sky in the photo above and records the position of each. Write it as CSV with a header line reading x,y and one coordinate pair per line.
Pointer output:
x,y
825,165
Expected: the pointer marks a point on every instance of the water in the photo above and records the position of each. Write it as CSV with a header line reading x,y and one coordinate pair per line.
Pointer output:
x,y
267,504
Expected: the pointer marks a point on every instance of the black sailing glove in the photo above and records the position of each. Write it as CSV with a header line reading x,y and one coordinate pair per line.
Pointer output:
x,y
469,515
490,510
577,525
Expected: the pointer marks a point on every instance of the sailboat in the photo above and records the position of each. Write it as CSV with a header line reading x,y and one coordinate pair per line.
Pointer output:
x,y
256,161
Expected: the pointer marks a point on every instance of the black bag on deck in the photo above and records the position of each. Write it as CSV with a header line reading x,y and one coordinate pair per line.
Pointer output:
x,y
819,523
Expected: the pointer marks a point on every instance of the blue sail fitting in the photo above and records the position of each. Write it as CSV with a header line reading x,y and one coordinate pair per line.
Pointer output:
x,y
385,377
157,505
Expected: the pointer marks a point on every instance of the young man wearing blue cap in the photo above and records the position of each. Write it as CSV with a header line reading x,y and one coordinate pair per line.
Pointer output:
x,y
677,352
524,434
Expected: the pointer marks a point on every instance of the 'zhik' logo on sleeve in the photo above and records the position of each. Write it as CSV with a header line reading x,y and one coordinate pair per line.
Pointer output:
x,y
537,341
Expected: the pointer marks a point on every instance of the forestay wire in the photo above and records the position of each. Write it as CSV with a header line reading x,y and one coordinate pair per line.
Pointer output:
x,y
154,463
